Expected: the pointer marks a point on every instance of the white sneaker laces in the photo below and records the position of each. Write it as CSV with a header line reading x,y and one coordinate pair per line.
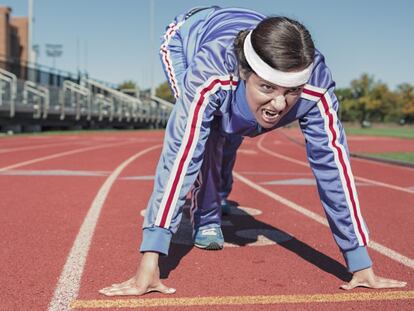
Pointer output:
x,y
209,231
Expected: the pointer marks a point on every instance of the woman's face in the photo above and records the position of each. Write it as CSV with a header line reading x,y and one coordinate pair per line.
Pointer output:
x,y
269,102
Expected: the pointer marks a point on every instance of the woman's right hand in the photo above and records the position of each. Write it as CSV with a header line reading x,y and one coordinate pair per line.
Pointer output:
x,y
147,279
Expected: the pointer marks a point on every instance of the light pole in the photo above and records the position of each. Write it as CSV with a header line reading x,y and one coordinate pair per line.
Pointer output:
x,y
151,63
54,50
36,52
30,52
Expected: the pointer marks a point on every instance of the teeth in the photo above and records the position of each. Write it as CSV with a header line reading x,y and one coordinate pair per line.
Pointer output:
x,y
270,113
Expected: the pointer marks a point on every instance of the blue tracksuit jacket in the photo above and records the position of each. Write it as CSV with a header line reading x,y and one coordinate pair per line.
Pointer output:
x,y
200,63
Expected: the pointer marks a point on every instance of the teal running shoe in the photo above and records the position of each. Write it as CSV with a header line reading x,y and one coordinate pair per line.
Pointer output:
x,y
209,239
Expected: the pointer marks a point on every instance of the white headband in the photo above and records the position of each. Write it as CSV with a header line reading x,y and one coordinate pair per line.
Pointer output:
x,y
266,72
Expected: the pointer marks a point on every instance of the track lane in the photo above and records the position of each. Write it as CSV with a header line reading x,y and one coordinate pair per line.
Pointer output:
x,y
30,141
119,230
58,155
26,148
41,218
402,180
364,169
113,253
69,281
371,198
298,268
9,159
267,270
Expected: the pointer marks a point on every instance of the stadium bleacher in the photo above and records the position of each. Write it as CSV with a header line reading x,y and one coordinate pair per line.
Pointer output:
x,y
33,99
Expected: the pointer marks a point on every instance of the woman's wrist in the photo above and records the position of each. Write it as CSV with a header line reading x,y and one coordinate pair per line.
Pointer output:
x,y
357,259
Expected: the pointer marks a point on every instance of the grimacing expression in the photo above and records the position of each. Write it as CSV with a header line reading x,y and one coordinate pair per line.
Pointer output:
x,y
267,101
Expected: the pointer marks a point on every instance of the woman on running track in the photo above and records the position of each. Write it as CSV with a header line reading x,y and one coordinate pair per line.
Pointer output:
x,y
236,73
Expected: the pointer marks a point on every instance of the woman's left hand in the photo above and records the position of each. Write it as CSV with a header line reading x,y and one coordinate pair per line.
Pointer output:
x,y
367,278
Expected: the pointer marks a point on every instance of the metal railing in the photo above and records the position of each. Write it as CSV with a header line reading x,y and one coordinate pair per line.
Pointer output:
x,y
125,106
38,97
164,109
8,90
106,107
77,99
89,103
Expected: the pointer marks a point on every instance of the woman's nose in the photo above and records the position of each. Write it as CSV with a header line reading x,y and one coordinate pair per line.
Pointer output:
x,y
279,103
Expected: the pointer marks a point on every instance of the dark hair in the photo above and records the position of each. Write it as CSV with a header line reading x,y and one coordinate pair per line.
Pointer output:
x,y
282,43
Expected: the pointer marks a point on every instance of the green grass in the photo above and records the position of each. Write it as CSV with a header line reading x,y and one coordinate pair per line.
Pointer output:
x,y
401,132
398,156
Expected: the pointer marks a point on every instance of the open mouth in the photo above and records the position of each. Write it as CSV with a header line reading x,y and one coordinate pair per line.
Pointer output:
x,y
270,115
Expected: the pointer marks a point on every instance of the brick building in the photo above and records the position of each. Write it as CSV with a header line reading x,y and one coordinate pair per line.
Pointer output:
x,y
13,37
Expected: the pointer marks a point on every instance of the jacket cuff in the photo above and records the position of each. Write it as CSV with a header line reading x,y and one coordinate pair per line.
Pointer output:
x,y
357,259
156,239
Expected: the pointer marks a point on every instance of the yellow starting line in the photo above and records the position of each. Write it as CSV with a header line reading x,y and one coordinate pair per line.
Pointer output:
x,y
240,300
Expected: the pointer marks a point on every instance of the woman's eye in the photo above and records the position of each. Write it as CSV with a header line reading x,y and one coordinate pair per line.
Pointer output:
x,y
266,87
294,91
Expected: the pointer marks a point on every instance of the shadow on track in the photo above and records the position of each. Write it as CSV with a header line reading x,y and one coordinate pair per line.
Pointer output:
x,y
247,230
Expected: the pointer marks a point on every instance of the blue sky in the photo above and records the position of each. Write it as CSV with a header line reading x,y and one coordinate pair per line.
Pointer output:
x,y
111,39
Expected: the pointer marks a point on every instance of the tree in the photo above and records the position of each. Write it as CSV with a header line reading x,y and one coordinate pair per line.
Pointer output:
x,y
347,104
405,93
361,89
127,84
386,104
373,100
164,91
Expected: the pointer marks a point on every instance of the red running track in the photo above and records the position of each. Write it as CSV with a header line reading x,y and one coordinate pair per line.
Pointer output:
x,y
44,203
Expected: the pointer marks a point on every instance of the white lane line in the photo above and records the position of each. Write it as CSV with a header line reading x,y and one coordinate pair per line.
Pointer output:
x,y
385,185
68,285
57,155
282,200
374,245
53,173
300,144
145,177
377,163
247,151
37,147
374,182
274,173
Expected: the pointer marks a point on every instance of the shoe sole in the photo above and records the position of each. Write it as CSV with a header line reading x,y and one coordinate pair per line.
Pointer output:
x,y
211,247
